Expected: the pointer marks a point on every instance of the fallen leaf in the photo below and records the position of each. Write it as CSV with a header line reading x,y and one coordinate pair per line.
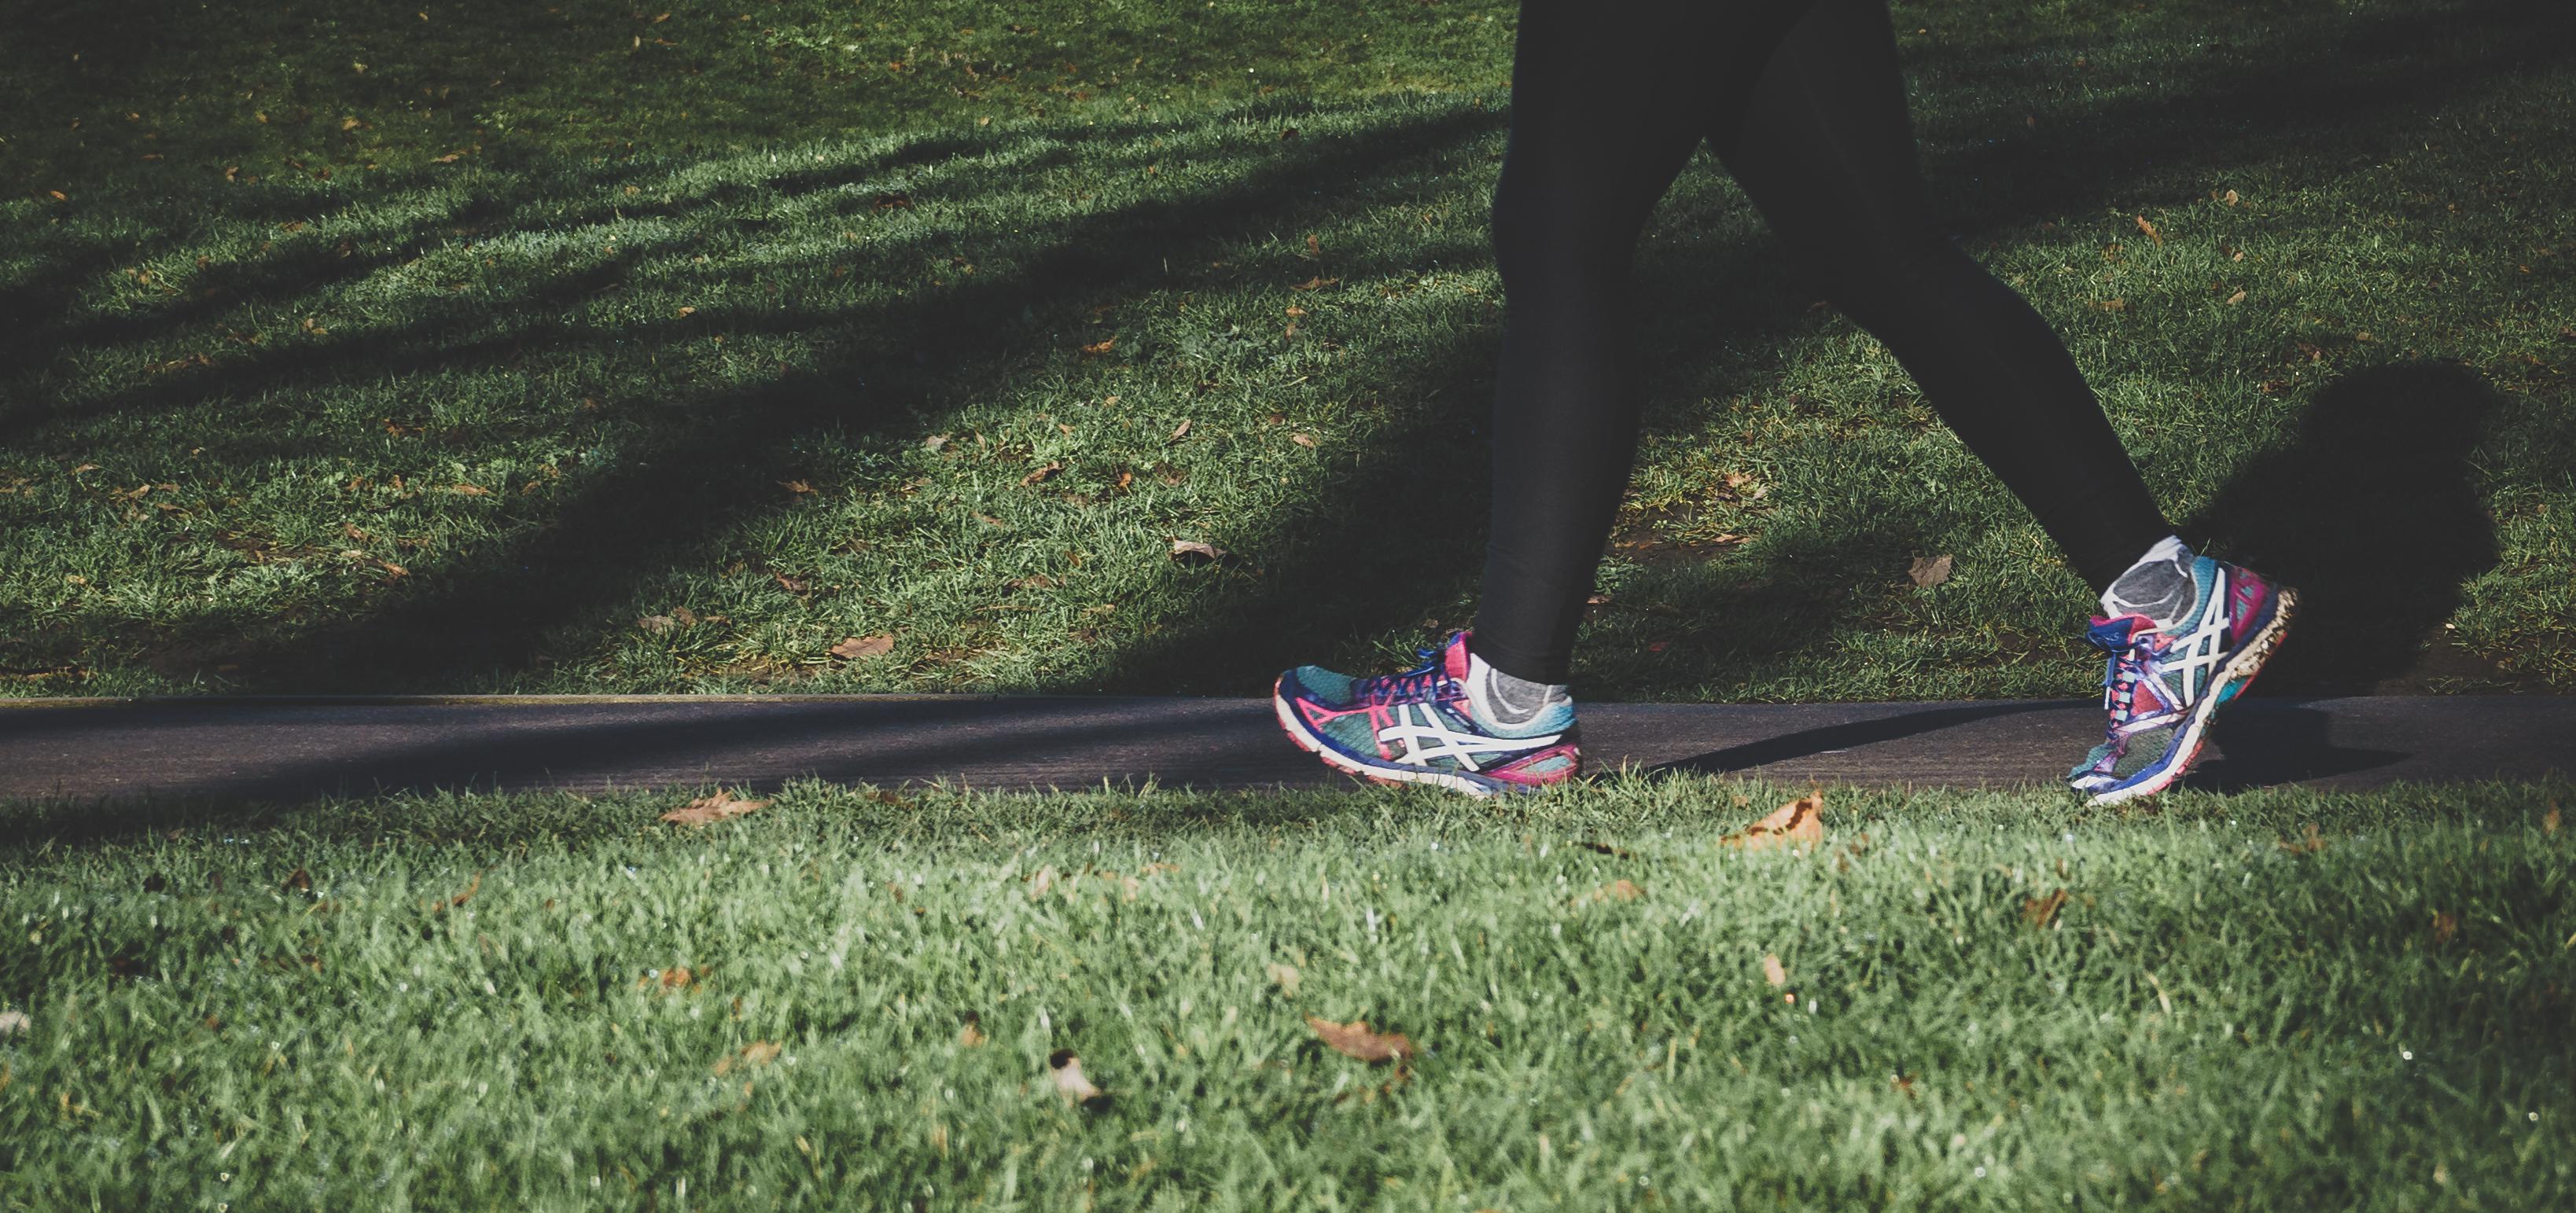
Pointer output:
x,y
656,624
1042,475
2230,198
2041,911
1069,1080
971,1035
2112,305
934,442
16,1023
669,981
1102,346
1285,977
798,487
2237,298
297,881
1304,440
2549,820
2308,843
716,807
857,647
1929,571
1799,824
1773,971
2444,927
1180,431
1314,284
687,312
757,1053
1192,551
1617,890
470,490
1904,1084
1354,1040
2150,230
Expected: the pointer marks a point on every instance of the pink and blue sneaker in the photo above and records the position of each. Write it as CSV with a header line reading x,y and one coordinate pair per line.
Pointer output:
x,y
1425,726
2164,684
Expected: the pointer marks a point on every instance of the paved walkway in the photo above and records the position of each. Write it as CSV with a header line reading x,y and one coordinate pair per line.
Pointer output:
x,y
295,748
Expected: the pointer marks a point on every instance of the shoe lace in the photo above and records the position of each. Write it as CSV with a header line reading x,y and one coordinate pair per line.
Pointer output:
x,y
2130,663
1428,682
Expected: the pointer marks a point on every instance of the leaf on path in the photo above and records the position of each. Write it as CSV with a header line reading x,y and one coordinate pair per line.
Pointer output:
x,y
1192,551
857,647
2041,911
1929,571
756,1054
1044,474
1799,824
1285,977
2150,230
1773,971
2307,844
1066,1068
1354,1040
722,804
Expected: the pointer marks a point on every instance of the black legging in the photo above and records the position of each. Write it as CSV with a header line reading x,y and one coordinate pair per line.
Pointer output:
x,y
1803,102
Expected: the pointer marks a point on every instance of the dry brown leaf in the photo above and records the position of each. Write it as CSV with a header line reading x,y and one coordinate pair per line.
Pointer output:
x,y
2150,230
1180,431
2041,911
1285,977
971,1035
1044,474
2444,927
1773,971
2112,305
1798,824
2308,843
1192,551
2231,199
2237,298
1314,284
798,487
656,624
297,881
1929,571
857,647
2549,820
1304,440
1617,890
1069,1080
1354,1040
757,1053
687,312
1102,346
715,807
470,490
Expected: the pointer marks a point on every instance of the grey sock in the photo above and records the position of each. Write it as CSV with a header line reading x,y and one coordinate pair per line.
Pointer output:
x,y
1511,701
2158,586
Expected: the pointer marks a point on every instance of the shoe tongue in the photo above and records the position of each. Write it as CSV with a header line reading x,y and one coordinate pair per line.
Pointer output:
x,y
1453,657
2116,633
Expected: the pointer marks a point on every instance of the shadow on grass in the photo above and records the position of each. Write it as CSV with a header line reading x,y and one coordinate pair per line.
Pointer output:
x,y
1336,579
2372,512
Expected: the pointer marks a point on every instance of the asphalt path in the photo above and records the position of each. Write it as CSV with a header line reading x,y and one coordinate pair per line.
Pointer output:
x,y
295,749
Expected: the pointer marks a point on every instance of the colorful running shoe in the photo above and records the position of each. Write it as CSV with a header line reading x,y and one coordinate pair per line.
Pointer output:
x,y
1422,726
2162,688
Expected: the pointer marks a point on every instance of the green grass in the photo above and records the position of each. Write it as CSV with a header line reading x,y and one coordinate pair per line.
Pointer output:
x,y
460,1002
640,391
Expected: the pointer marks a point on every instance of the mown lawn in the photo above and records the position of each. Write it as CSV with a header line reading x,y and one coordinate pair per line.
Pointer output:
x,y
487,347
850,997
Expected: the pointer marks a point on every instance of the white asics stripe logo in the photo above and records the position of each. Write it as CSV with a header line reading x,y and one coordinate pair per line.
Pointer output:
x,y
1427,739
2197,655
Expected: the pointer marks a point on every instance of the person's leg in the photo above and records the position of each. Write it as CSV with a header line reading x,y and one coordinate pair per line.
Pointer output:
x,y
1826,152
1609,100
1824,149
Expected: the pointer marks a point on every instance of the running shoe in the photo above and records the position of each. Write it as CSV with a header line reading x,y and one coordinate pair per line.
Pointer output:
x,y
1422,726
2162,687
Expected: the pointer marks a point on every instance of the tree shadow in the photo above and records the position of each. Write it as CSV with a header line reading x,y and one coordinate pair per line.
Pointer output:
x,y
2372,513
495,613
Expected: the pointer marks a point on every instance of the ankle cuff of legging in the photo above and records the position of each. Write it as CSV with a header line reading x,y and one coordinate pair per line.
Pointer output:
x,y
1527,667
